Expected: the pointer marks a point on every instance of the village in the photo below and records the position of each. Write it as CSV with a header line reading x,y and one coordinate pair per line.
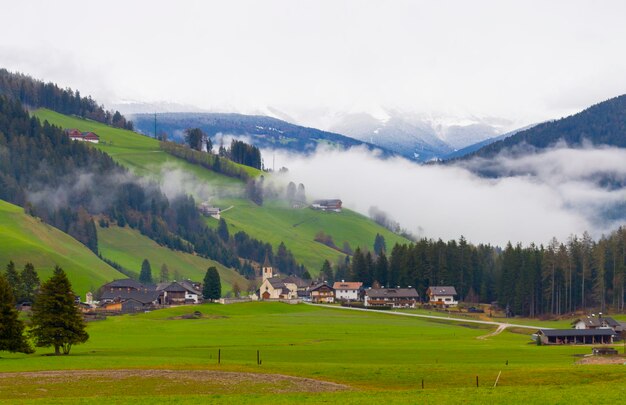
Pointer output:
x,y
130,296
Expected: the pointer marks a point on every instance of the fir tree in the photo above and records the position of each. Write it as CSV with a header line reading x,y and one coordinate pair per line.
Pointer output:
x,y
56,319
379,244
30,283
212,288
12,337
13,278
222,230
326,272
145,276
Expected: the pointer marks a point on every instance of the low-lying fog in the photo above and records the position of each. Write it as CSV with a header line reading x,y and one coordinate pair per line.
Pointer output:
x,y
553,193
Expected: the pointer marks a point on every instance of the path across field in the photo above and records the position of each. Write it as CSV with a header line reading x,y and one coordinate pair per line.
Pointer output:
x,y
501,325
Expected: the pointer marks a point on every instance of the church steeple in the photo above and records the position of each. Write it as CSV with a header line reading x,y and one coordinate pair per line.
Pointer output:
x,y
266,270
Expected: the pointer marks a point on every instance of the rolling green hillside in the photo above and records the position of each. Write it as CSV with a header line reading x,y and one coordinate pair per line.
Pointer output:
x,y
26,239
273,222
128,248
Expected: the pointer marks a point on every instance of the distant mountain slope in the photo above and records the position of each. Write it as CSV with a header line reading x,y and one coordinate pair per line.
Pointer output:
x,y
473,148
602,124
416,136
24,238
264,132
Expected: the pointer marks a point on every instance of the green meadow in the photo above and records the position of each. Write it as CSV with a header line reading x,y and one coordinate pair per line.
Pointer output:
x,y
274,222
27,239
371,356
128,248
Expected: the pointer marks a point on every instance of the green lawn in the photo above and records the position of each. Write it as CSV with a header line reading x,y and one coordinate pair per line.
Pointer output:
x,y
27,239
128,247
376,356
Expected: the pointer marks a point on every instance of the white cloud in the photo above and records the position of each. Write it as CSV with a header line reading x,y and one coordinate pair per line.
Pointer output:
x,y
553,193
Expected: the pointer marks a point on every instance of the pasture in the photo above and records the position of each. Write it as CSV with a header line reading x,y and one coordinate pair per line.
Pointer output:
x,y
308,354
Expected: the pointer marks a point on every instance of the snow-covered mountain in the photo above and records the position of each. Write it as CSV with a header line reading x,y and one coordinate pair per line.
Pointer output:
x,y
416,136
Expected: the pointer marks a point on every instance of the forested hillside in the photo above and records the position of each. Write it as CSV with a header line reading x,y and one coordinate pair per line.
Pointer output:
x,y
67,183
601,124
527,280
35,93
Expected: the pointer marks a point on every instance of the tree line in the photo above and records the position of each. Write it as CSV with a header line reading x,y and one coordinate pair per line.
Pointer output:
x,y
68,183
562,277
36,93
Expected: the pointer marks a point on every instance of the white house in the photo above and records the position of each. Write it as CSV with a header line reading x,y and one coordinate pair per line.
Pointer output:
x,y
391,297
442,295
348,291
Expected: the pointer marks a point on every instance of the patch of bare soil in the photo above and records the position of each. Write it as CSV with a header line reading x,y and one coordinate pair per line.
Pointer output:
x,y
278,383
197,315
602,360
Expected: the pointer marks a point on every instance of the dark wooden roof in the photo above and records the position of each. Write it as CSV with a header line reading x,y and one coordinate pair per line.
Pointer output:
x,y
145,296
124,283
392,293
319,285
442,290
576,332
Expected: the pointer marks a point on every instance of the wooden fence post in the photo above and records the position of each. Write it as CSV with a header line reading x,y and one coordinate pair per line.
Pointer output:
x,y
219,356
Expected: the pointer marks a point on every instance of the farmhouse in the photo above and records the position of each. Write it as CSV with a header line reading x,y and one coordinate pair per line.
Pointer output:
x,y
208,211
442,296
77,135
575,336
322,293
327,205
391,297
600,322
348,291
178,293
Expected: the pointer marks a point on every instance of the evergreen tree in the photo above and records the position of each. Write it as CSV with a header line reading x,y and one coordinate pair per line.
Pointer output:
x,y
145,276
326,272
379,244
12,337
30,283
165,273
222,230
212,288
56,319
382,269
13,278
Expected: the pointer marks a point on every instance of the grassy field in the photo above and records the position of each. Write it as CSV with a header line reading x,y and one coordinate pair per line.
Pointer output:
x,y
371,356
274,222
26,239
128,247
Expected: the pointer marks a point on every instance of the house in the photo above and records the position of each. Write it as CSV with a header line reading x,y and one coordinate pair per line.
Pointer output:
x,y
322,293
327,205
208,211
599,322
127,295
274,288
76,135
178,293
301,285
575,336
442,296
391,297
347,290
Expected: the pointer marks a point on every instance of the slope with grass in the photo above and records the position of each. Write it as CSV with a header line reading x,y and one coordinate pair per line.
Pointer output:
x,y
274,222
129,248
26,239
372,356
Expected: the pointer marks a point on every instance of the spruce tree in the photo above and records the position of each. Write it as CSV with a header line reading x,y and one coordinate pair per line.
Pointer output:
x,y
30,283
12,337
212,288
145,276
13,278
56,319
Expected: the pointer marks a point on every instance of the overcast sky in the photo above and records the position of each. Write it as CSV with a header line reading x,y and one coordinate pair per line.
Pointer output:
x,y
525,60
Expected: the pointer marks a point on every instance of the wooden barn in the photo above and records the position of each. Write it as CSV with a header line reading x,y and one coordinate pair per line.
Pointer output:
x,y
575,336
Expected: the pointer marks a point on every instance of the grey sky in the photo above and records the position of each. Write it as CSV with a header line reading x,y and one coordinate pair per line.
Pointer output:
x,y
525,61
